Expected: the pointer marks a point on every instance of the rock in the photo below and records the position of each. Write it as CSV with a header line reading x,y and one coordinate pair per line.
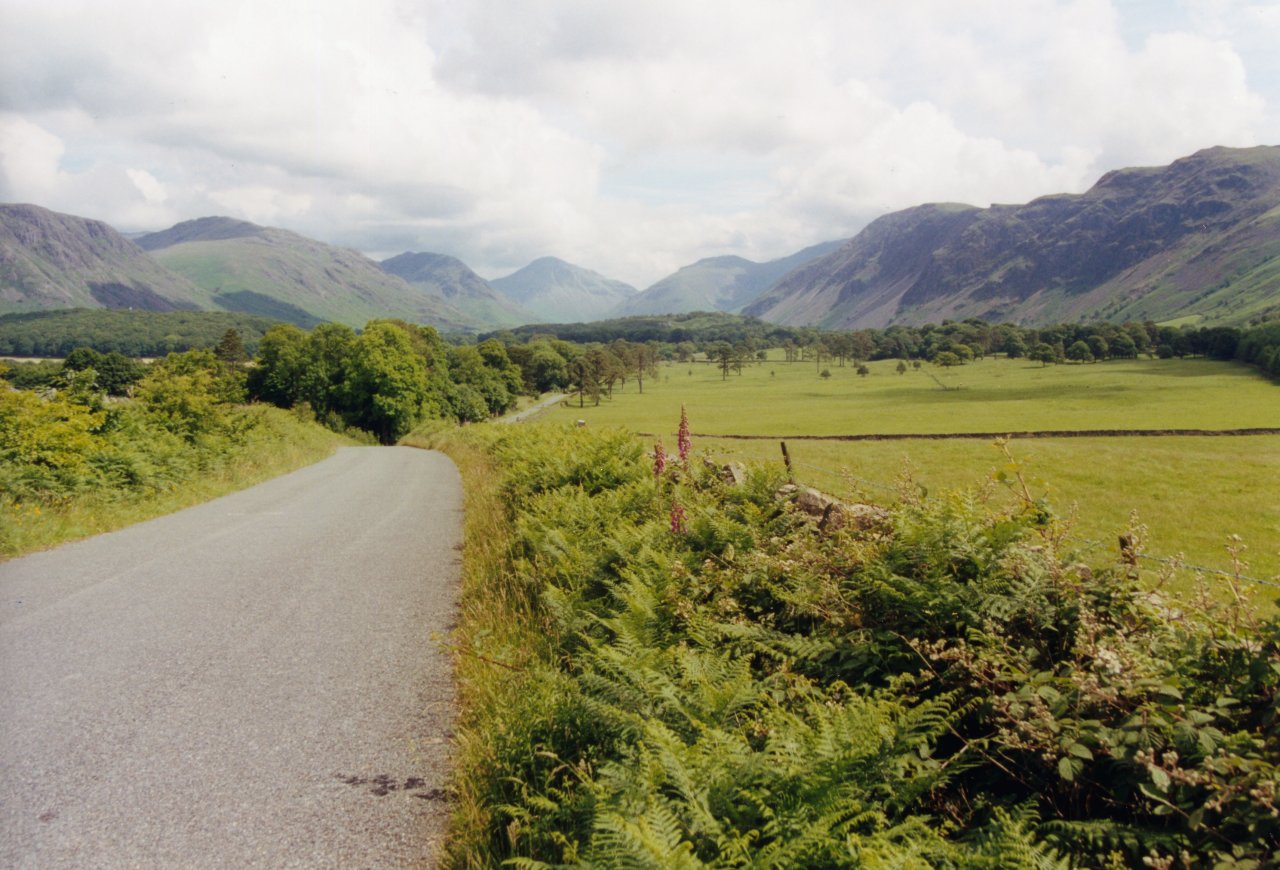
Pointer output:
x,y
734,474
861,517
833,514
814,503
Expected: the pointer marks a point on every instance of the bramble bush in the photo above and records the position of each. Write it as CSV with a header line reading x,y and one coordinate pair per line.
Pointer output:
x,y
945,684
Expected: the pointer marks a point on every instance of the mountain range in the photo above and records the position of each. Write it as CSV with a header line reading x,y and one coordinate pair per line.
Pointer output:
x,y
1197,241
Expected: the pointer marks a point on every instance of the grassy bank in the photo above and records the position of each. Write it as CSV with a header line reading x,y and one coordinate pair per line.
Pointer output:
x,y
271,442
674,670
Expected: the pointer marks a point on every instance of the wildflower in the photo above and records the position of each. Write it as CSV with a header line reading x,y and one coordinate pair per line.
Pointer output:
x,y
677,518
659,460
683,443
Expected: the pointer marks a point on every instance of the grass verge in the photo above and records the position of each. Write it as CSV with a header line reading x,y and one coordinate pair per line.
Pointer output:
x,y
493,641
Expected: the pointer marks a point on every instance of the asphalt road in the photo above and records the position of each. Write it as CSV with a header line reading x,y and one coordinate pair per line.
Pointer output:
x,y
249,683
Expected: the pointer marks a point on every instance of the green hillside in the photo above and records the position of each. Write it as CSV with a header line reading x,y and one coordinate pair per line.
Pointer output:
x,y
315,280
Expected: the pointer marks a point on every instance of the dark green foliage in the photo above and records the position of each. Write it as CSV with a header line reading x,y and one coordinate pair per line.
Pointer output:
x,y
699,326
114,372
386,380
131,333
944,685
1260,346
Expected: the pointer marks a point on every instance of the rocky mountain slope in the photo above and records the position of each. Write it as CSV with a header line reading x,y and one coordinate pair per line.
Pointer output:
x,y
452,280
557,291
1197,241
274,272
717,284
51,260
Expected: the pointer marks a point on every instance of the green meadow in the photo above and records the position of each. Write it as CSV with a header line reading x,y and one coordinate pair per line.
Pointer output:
x,y
1192,492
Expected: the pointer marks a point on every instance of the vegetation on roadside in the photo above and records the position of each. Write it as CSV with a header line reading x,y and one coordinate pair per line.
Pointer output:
x,y
74,461
668,668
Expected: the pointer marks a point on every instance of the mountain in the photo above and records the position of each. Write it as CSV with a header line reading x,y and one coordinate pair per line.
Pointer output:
x,y
717,284
558,291
51,260
1196,241
278,273
452,280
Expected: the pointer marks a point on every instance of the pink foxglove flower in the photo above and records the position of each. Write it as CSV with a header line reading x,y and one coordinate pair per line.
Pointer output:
x,y
683,442
659,460
677,518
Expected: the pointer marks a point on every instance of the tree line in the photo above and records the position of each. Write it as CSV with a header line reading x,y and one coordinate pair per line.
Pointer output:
x,y
130,333
392,375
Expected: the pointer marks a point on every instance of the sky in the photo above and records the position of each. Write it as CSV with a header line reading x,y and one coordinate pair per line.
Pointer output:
x,y
632,138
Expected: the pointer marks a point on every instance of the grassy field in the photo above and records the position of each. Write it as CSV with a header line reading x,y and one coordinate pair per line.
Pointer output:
x,y
1192,492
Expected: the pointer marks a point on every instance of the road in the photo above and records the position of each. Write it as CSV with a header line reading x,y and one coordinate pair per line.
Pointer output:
x,y
535,409
249,683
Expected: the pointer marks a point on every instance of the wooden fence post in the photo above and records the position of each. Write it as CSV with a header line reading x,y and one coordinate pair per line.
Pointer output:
x,y
786,457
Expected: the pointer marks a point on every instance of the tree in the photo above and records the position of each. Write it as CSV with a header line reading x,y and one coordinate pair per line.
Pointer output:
x,y
902,367
947,359
862,370
723,356
230,348
1043,353
385,385
590,372
1079,352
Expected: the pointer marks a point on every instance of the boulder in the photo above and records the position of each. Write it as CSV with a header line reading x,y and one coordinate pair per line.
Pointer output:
x,y
833,514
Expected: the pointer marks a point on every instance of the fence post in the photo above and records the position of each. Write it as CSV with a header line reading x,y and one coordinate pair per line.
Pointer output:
x,y
786,457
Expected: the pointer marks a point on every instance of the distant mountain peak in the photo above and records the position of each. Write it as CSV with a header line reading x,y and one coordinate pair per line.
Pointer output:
x,y
205,229
557,290
453,280
722,283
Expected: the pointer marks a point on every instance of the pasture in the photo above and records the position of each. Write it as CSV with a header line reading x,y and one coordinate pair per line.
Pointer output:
x,y
1191,491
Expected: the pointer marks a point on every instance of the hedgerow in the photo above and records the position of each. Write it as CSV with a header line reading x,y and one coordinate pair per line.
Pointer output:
x,y
706,676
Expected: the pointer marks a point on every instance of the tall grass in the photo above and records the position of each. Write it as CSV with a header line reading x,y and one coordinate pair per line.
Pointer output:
x,y
494,639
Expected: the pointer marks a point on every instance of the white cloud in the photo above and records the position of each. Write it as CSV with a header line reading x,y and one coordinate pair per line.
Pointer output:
x,y
632,138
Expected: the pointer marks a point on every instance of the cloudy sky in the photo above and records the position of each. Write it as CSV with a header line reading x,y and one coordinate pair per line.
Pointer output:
x,y
629,137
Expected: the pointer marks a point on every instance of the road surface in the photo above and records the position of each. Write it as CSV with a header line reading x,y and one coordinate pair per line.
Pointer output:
x,y
249,683
535,409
